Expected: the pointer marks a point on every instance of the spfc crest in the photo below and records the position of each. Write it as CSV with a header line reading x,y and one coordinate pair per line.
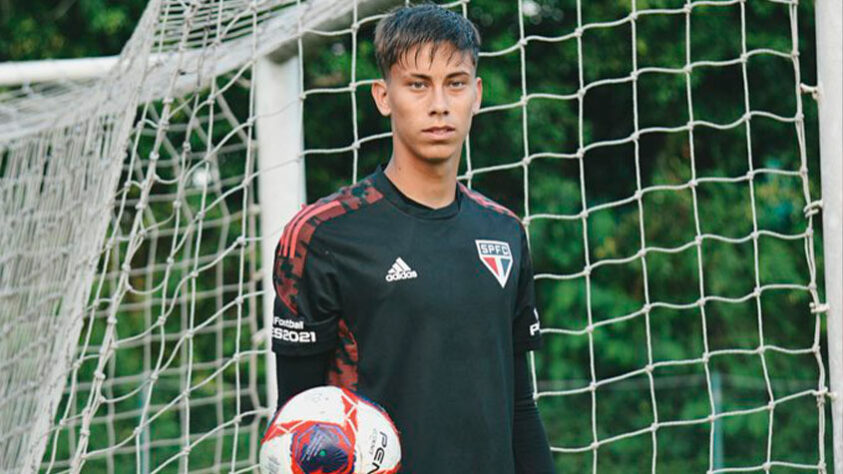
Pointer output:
x,y
496,256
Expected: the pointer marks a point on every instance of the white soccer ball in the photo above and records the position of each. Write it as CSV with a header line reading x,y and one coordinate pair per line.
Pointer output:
x,y
330,430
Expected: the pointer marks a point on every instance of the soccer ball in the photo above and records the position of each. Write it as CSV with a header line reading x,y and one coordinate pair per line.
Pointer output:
x,y
330,430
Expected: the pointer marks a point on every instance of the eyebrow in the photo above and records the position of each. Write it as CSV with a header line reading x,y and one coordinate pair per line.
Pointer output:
x,y
425,76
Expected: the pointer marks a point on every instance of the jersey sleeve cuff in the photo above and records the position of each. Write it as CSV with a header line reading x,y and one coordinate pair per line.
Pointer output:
x,y
296,338
532,344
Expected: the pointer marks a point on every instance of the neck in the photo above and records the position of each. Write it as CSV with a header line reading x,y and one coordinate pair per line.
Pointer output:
x,y
431,184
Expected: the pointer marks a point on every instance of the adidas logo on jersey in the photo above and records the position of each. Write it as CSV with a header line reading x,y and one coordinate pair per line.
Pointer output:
x,y
400,271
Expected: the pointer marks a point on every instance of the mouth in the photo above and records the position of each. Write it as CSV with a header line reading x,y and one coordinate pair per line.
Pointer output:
x,y
439,132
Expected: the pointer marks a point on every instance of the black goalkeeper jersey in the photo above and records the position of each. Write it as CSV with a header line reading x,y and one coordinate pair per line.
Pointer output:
x,y
423,309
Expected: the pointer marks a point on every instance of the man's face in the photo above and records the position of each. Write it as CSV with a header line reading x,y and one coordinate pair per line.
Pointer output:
x,y
430,103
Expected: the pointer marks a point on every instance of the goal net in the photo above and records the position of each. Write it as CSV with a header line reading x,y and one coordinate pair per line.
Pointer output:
x,y
656,151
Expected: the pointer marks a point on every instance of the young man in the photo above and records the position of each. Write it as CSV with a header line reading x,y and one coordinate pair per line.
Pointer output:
x,y
411,289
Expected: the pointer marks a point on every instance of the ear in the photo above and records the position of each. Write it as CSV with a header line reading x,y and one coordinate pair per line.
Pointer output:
x,y
379,94
478,84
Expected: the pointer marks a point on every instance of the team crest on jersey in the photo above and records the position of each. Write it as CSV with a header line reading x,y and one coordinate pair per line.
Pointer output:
x,y
497,257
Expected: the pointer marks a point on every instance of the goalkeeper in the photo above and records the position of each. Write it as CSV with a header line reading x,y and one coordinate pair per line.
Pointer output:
x,y
411,289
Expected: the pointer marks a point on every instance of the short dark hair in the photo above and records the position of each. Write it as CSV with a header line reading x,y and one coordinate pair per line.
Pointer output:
x,y
405,28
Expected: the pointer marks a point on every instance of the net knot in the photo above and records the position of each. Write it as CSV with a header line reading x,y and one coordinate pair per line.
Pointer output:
x,y
813,208
806,89
818,307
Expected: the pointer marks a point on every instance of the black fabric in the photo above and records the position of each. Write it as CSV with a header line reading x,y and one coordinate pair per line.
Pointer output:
x,y
294,375
399,294
529,441
313,326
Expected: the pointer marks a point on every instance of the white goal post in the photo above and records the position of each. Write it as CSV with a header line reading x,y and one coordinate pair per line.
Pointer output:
x,y
142,195
829,14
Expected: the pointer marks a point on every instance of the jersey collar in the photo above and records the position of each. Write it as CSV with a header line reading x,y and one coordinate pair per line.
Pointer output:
x,y
409,206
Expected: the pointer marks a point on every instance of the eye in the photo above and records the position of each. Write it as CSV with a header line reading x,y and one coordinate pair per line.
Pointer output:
x,y
416,85
458,84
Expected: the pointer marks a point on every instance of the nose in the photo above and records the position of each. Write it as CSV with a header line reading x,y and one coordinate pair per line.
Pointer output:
x,y
439,102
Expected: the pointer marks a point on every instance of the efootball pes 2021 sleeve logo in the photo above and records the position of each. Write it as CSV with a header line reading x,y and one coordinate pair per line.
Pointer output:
x,y
497,257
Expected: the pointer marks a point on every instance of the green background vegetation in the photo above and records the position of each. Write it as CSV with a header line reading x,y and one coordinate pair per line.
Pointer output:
x,y
79,28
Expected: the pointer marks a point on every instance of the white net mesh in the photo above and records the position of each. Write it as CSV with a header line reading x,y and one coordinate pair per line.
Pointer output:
x,y
131,292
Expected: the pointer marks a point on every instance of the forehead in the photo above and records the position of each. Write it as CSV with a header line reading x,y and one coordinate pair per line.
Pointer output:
x,y
428,58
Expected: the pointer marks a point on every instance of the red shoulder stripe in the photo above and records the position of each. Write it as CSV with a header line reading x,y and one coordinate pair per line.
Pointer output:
x,y
486,202
311,211
285,237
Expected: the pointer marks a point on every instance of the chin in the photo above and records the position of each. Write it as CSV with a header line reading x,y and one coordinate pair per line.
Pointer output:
x,y
439,154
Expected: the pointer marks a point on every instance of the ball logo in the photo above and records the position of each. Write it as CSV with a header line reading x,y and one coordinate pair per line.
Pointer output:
x,y
322,448
497,257
380,452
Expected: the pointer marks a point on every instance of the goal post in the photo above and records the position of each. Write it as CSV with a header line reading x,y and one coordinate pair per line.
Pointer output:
x,y
282,173
829,17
